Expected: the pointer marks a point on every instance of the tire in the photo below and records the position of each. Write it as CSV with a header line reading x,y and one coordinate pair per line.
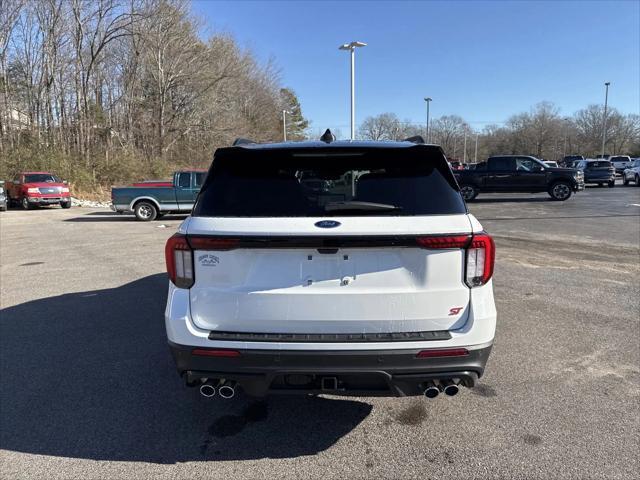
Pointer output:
x,y
468,192
637,180
625,181
145,211
560,191
611,184
24,203
65,204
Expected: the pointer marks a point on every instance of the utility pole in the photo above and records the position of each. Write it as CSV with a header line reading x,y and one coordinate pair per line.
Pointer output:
x,y
604,120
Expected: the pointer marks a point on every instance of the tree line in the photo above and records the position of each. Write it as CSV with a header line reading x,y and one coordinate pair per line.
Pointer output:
x,y
106,91
541,132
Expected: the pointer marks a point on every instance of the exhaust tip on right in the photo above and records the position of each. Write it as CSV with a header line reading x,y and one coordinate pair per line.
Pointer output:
x,y
449,388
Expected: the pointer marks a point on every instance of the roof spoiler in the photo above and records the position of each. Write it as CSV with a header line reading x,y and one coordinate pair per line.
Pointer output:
x,y
415,139
242,141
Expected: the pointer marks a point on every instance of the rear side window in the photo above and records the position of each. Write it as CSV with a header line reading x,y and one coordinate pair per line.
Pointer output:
x,y
198,178
506,163
313,183
184,180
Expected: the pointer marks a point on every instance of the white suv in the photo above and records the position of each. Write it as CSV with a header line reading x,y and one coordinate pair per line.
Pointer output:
x,y
349,268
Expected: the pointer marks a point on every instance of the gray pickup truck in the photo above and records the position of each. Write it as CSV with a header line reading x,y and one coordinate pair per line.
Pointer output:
x,y
151,200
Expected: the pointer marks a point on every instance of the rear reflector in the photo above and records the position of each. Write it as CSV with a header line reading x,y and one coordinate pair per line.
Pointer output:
x,y
443,352
205,352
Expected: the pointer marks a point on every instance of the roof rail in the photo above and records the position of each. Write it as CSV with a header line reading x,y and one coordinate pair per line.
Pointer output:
x,y
415,139
242,141
327,137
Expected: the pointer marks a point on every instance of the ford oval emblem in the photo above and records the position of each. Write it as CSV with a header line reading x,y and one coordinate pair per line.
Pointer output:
x,y
327,224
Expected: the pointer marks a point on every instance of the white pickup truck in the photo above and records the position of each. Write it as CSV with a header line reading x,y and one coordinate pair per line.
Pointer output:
x,y
620,162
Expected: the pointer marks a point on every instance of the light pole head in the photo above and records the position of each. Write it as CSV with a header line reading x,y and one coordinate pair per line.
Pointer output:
x,y
351,46
428,99
607,83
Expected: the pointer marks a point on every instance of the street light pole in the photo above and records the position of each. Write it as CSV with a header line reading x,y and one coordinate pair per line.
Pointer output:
x,y
475,153
604,120
351,47
284,124
428,100
465,148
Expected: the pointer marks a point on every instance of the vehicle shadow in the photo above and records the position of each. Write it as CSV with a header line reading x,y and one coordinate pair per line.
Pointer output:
x,y
117,217
89,375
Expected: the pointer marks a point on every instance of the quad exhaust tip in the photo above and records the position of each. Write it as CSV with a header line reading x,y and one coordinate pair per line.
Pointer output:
x,y
449,388
207,389
227,390
431,391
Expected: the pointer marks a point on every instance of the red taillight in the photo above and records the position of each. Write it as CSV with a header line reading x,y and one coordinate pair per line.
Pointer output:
x,y
213,243
480,254
443,352
444,241
207,352
179,260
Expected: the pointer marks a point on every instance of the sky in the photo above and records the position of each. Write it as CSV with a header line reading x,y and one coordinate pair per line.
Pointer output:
x,y
482,60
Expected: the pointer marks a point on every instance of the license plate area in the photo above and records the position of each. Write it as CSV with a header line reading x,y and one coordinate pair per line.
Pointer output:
x,y
327,269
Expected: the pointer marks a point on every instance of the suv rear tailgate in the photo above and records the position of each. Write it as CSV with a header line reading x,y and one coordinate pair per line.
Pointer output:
x,y
387,287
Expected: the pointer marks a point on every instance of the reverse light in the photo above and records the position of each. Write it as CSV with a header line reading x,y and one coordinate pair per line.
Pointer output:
x,y
179,259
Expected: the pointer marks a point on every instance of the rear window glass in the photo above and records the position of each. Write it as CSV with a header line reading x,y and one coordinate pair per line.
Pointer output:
x,y
311,183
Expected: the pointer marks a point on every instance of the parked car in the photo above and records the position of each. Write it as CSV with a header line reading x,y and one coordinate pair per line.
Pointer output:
x,y
3,197
632,173
551,164
598,172
620,162
518,173
570,161
33,189
152,201
380,285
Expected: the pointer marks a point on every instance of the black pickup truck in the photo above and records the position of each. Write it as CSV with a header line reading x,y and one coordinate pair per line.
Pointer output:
x,y
519,173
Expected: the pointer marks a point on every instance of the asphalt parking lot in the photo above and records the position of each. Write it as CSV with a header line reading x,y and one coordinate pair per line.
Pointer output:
x,y
88,388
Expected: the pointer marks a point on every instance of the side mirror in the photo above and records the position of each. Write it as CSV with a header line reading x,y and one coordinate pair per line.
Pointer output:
x,y
65,182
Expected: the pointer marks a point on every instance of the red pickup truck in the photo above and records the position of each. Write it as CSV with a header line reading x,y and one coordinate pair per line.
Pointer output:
x,y
32,189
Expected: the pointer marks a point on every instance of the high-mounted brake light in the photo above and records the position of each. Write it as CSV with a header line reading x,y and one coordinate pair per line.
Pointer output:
x,y
480,254
179,258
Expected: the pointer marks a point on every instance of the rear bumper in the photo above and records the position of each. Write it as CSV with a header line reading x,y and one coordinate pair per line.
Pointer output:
x,y
395,373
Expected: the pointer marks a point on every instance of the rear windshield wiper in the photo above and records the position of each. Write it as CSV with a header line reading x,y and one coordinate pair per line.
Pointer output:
x,y
355,205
